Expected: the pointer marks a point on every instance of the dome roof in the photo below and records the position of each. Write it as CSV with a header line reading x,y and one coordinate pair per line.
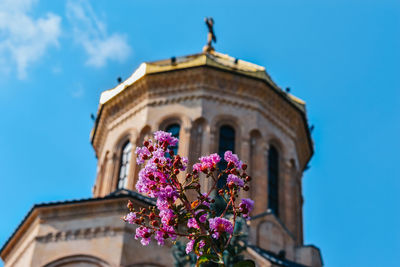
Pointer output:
x,y
211,59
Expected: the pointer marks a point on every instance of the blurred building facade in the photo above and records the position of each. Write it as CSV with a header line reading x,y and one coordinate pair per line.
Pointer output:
x,y
213,103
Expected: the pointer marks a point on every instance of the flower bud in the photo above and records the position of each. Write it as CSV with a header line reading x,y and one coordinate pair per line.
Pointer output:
x,y
221,192
176,171
130,205
233,171
171,153
230,164
231,185
244,167
246,188
146,143
154,223
248,178
151,148
152,216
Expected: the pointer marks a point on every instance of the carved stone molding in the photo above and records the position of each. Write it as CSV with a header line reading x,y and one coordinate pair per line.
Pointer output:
x,y
77,234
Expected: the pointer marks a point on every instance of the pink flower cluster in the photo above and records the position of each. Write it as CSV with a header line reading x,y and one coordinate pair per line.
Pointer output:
x,y
219,226
158,179
235,180
230,157
246,206
208,163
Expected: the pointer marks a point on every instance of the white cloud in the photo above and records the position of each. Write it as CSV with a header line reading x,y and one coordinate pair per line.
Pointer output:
x,y
24,39
91,33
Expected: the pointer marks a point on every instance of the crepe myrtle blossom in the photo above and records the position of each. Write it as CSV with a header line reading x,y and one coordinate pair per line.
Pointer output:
x,y
143,233
246,206
165,177
235,180
190,244
165,137
207,163
219,226
130,217
230,157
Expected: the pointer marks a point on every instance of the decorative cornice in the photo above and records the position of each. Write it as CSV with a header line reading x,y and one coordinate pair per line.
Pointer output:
x,y
83,233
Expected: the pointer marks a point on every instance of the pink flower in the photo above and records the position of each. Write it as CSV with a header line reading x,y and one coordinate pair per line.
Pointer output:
x,y
197,167
142,153
211,160
162,137
220,225
145,234
203,218
192,223
190,245
246,206
230,157
160,238
168,193
131,217
184,163
207,162
159,154
235,179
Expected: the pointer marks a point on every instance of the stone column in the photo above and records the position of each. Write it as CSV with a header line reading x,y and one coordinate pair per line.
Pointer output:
x,y
299,207
184,144
207,147
246,157
100,176
259,184
133,165
109,176
288,195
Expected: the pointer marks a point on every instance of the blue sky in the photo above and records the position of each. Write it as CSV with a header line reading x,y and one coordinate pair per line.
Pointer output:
x,y
341,57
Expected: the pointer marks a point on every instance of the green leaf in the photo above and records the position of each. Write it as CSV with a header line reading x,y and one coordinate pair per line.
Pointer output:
x,y
245,263
205,258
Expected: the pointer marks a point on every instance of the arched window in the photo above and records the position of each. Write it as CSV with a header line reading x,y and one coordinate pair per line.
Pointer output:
x,y
273,179
174,130
226,142
124,165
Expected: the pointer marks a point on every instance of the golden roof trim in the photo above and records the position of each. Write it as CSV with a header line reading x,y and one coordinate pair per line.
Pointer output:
x,y
213,59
